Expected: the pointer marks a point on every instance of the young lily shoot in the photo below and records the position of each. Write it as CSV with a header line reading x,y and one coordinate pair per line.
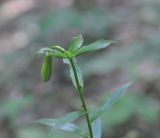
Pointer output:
x,y
92,117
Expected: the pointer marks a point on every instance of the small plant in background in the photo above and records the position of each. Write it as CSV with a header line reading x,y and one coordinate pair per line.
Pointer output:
x,y
92,117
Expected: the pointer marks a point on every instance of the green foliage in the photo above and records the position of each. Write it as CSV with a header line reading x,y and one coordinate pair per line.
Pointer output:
x,y
69,57
79,74
100,44
69,118
52,52
130,105
76,43
67,127
109,102
97,128
93,24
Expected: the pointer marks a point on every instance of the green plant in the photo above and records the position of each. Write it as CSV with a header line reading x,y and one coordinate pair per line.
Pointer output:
x,y
69,57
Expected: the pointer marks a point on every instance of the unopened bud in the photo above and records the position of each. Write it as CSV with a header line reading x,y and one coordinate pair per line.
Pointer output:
x,y
46,70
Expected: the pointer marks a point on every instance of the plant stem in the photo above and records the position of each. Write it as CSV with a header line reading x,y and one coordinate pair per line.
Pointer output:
x,y
80,92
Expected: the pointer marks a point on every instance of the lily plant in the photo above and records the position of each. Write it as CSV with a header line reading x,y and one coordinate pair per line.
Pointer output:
x,y
92,117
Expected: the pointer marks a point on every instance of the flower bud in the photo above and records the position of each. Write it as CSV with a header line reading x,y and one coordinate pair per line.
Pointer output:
x,y
46,70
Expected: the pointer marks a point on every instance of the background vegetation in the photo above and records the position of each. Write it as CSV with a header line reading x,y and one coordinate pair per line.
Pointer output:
x,y
28,25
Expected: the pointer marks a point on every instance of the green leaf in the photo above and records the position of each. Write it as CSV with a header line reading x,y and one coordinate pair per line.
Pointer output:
x,y
96,125
58,48
52,52
97,128
66,61
69,127
75,43
70,117
109,102
94,46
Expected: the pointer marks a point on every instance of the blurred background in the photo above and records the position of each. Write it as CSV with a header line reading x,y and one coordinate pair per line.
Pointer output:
x,y
28,25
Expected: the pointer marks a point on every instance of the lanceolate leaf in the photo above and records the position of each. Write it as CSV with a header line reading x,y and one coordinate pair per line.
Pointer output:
x,y
69,127
94,46
76,43
72,73
69,118
114,97
97,128
52,52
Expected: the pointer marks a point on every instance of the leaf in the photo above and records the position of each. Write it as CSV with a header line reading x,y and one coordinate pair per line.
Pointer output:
x,y
69,127
58,48
97,128
52,52
96,125
94,46
66,61
114,97
75,43
69,118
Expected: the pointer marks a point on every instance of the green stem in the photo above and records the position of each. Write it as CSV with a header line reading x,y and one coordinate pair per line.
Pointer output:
x,y
80,92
